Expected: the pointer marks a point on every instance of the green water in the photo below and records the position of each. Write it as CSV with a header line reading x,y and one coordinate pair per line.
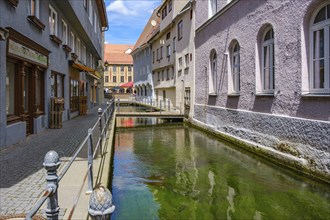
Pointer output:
x,y
182,173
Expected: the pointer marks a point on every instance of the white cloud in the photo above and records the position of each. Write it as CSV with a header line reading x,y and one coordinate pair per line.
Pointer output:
x,y
119,7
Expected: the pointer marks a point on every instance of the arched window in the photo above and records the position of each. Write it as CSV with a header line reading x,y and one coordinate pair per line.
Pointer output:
x,y
320,51
268,61
213,73
235,67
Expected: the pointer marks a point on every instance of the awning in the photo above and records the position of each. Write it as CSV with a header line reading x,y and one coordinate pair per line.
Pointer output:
x,y
127,85
84,68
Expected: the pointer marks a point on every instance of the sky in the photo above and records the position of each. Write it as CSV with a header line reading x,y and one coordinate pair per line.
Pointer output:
x,y
127,19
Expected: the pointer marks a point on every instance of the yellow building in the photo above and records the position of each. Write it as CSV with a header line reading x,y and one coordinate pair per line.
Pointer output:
x,y
118,75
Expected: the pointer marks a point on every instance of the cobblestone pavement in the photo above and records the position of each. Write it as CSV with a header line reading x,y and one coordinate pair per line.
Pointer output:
x,y
22,176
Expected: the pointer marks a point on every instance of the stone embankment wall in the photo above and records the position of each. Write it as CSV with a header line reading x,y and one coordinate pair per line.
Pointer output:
x,y
301,144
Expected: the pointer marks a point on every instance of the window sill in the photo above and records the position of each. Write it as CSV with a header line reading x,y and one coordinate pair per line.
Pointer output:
x,y
13,3
269,94
55,39
34,20
234,94
311,94
66,48
11,119
74,56
213,94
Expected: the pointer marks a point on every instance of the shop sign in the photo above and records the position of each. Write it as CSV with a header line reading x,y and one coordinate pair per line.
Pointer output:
x,y
18,49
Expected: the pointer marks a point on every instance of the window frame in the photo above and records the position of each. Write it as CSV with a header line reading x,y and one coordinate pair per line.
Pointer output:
x,y
315,27
35,11
235,72
51,24
213,73
180,30
65,33
270,44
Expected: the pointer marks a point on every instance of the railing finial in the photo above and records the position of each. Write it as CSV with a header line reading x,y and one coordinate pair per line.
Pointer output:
x,y
100,204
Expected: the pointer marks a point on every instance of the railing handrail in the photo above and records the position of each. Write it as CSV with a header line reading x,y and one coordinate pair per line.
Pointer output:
x,y
49,191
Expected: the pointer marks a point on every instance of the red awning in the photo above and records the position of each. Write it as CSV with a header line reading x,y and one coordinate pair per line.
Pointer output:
x,y
127,85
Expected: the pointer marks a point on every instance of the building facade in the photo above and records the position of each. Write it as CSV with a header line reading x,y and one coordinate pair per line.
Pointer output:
x,y
142,59
263,77
118,68
49,51
173,53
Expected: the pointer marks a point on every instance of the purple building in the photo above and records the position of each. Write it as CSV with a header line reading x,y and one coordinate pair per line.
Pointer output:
x,y
263,78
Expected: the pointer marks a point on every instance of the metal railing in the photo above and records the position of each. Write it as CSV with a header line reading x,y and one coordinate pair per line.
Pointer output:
x,y
162,105
51,164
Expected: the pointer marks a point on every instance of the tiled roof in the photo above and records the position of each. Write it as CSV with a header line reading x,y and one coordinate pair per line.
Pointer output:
x,y
148,30
115,54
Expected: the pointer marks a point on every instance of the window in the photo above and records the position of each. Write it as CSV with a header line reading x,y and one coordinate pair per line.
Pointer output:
x,y
235,68
180,27
213,73
168,35
114,69
267,58
57,85
129,68
129,78
153,56
72,42
78,48
85,4
319,81
121,68
174,44
162,75
74,95
186,59
161,52
169,5
122,78
35,8
114,79
90,11
164,12
158,74
212,7
84,55
157,54
65,34
187,96
168,52
11,103
52,21
106,79
180,63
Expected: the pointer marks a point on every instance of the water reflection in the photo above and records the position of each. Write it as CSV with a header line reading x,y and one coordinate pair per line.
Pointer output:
x,y
182,173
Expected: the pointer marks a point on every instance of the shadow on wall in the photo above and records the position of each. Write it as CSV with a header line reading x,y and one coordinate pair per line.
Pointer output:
x,y
232,102
263,104
314,108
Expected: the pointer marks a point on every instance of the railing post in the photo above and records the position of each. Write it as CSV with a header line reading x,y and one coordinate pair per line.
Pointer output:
x,y
100,204
100,127
90,162
51,163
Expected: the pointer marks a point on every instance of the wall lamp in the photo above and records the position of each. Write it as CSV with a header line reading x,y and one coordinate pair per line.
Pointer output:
x,y
3,34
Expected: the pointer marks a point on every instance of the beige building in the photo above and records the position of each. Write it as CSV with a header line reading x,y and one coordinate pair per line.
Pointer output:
x,y
173,55
118,75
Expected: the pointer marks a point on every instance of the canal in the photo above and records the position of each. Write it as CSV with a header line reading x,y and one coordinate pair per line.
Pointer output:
x,y
171,171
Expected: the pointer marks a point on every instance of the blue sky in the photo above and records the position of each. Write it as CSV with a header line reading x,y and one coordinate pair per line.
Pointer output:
x,y
127,19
